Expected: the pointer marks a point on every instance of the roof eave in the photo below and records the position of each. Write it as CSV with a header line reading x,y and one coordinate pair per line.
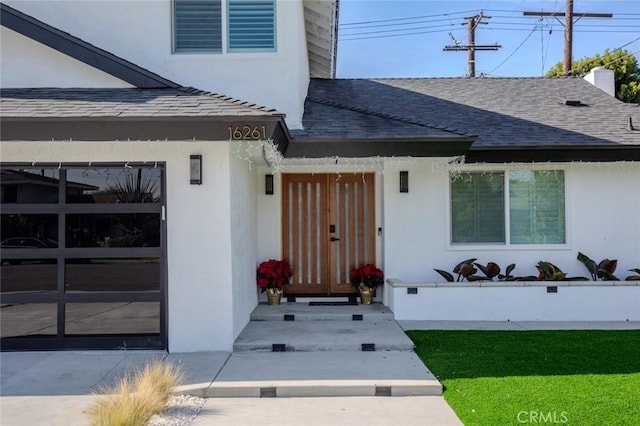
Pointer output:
x,y
146,128
380,147
554,153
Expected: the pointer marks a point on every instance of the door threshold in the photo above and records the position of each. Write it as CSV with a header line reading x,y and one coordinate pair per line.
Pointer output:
x,y
348,298
323,303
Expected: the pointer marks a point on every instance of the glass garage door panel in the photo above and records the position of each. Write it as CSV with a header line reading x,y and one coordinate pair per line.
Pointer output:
x,y
29,320
112,318
114,185
28,276
131,274
113,230
27,231
29,185
83,257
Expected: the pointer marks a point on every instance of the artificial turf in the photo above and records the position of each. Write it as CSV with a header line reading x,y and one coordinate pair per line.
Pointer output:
x,y
581,377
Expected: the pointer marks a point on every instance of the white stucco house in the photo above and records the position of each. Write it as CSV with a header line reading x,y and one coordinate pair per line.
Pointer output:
x,y
154,152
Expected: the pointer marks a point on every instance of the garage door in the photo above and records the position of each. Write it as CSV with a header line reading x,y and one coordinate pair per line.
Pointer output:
x,y
83,257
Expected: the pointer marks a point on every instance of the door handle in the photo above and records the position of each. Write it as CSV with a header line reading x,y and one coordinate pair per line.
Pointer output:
x,y
335,239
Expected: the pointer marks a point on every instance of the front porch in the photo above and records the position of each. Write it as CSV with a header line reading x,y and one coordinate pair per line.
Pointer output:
x,y
296,349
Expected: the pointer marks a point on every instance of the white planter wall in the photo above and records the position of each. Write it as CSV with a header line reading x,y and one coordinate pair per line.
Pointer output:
x,y
518,301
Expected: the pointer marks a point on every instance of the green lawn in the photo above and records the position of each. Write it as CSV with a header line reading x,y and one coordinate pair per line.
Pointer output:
x,y
536,377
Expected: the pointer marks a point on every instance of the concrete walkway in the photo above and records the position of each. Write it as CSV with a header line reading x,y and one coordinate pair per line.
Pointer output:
x,y
53,388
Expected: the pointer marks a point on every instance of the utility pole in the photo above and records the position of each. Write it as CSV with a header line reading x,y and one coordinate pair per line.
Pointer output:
x,y
471,47
568,29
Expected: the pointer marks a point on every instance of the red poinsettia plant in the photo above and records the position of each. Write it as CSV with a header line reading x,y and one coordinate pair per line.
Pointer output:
x,y
274,274
367,275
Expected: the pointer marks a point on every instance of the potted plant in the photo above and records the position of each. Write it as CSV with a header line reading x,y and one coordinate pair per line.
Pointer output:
x,y
366,279
272,275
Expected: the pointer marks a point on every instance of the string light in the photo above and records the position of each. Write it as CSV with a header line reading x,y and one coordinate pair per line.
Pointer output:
x,y
266,152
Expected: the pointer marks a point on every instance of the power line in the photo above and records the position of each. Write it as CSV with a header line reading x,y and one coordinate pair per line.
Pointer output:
x,y
513,53
406,19
501,29
625,45
365,27
399,30
515,11
393,35
494,22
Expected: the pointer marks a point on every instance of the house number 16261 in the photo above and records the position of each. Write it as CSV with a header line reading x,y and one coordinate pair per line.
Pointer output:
x,y
251,133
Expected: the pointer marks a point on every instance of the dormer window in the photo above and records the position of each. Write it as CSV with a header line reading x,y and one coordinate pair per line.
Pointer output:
x,y
198,26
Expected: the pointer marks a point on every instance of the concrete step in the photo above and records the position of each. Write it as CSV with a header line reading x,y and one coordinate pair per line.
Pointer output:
x,y
304,312
319,374
386,335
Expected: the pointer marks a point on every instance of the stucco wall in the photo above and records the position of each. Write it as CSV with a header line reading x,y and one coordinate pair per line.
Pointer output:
x,y
141,32
24,60
602,220
244,241
269,217
200,310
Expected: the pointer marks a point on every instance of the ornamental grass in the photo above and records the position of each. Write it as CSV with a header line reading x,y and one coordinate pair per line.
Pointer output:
x,y
134,399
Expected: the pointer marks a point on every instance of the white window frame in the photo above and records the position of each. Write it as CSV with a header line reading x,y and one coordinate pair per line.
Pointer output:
x,y
506,245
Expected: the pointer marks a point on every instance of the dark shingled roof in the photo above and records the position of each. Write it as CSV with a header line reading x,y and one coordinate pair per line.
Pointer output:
x,y
132,114
503,112
111,103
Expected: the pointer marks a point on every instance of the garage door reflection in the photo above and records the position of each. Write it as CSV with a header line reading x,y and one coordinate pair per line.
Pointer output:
x,y
28,276
112,275
112,318
29,319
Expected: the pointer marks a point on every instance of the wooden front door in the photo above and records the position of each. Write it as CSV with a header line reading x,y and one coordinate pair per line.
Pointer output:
x,y
328,227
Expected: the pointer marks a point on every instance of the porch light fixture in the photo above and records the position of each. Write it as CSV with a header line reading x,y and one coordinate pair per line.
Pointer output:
x,y
268,184
404,181
195,169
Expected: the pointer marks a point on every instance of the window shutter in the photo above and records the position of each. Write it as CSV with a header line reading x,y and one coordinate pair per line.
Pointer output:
x,y
536,200
197,26
252,25
477,208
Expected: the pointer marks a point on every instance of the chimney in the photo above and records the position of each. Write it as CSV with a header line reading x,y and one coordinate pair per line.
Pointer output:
x,y
603,79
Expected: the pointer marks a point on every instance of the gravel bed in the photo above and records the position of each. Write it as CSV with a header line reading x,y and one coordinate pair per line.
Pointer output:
x,y
181,411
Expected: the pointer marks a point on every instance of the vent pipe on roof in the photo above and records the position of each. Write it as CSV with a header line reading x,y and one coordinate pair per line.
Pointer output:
x,y
603,79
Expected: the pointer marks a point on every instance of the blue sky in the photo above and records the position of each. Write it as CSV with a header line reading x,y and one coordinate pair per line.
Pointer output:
x,y
371,40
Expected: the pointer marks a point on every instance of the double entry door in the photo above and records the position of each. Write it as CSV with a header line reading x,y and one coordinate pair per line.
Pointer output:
x,y
328,227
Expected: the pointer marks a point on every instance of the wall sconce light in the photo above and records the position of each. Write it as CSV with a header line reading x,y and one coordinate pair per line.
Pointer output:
x,y
268,184
195,169
404,181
